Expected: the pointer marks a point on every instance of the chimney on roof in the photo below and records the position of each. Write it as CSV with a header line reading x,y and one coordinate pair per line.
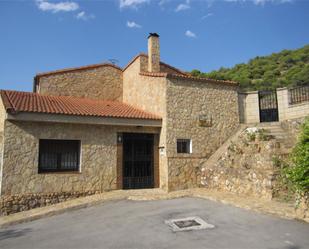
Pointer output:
x,y
153,53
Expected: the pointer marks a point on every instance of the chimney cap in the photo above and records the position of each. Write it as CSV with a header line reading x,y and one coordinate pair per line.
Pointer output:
x,y
153,34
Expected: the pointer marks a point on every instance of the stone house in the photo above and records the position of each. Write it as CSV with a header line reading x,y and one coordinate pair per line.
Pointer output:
x,y
101,127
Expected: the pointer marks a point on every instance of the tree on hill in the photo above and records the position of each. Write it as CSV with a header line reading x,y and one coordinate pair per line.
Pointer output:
x,y
287,68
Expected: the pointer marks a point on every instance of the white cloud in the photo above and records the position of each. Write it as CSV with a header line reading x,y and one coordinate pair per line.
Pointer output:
x,y
131,3
133,25
182,6
260,2
190,34
206,16
57,7
83,16
162,2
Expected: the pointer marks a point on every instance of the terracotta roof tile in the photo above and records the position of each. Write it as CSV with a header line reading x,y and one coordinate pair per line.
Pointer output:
x,y
188,77
15,102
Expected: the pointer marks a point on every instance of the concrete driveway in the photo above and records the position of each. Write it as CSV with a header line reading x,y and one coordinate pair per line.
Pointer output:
x,y
140,224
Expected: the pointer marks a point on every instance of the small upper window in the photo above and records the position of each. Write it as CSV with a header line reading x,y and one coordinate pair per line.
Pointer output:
x,y
184,146
59,155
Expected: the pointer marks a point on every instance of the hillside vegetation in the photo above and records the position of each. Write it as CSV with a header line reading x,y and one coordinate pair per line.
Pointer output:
x,y
286,68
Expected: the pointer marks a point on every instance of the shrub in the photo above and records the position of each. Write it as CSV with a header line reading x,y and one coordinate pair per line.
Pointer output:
x,y
298,172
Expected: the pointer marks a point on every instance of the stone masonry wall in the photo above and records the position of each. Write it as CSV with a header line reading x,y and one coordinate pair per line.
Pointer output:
x,y
247,167
289,111
293,127
2,118
153,54
18,203
163,67
98,157
149,94
186,101
249,103
103,82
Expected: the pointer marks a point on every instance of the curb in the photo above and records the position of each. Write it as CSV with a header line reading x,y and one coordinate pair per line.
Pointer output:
x,y
84,202
59,208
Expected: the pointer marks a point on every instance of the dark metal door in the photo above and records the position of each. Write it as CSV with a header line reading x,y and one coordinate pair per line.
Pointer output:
x,y
138,161
268,106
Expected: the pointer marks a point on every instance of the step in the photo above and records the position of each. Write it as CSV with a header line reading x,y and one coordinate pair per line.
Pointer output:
x,y
268,124
275,128
281,135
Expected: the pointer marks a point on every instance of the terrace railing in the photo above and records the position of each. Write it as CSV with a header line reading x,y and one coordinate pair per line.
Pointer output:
x,y
299,95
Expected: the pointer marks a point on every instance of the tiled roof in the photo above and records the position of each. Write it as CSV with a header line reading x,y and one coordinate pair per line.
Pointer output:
x,y
188,77
15,102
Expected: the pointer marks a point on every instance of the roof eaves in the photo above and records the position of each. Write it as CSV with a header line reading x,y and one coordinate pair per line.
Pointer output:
x,y
8,105
152,74
152,117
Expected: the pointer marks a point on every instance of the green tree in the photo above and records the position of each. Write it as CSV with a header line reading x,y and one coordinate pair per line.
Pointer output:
x,y
287,68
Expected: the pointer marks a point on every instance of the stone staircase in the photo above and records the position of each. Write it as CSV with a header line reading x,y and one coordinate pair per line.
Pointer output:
x,y
246,166
224,147
275,130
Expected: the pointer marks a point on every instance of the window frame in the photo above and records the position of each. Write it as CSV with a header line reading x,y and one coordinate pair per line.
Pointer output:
x,y
188,146
59,168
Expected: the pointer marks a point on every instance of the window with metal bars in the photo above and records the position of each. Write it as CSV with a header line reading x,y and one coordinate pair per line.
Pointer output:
x,y
59,155
184,146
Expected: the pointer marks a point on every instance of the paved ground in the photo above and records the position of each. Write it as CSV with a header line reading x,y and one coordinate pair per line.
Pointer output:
x,y
140,224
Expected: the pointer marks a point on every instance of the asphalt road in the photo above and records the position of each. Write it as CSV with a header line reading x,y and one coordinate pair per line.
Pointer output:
x,y
140,224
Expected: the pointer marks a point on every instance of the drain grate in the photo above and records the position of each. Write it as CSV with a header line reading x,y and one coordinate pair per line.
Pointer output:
x,y
187,224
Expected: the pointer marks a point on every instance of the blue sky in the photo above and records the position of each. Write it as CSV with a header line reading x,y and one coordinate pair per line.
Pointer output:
x,y
45,35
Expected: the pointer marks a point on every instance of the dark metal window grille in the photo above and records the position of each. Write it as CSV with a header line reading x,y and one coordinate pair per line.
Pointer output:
x,y
183,146
298,95
59,155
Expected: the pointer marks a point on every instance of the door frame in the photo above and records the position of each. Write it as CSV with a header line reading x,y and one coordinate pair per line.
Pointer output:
x,y
119,178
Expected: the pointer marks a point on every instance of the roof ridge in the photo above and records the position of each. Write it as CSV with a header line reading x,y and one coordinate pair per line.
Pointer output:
x,y
165,64
70,69
132,60
161,62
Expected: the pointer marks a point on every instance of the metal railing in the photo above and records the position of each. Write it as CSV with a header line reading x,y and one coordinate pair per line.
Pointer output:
x,y
298,95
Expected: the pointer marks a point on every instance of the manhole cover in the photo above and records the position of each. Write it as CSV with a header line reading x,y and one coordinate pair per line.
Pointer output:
x,y
186,223
189,223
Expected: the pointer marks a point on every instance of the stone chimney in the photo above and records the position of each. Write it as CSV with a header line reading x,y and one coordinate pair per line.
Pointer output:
x,y
153,53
